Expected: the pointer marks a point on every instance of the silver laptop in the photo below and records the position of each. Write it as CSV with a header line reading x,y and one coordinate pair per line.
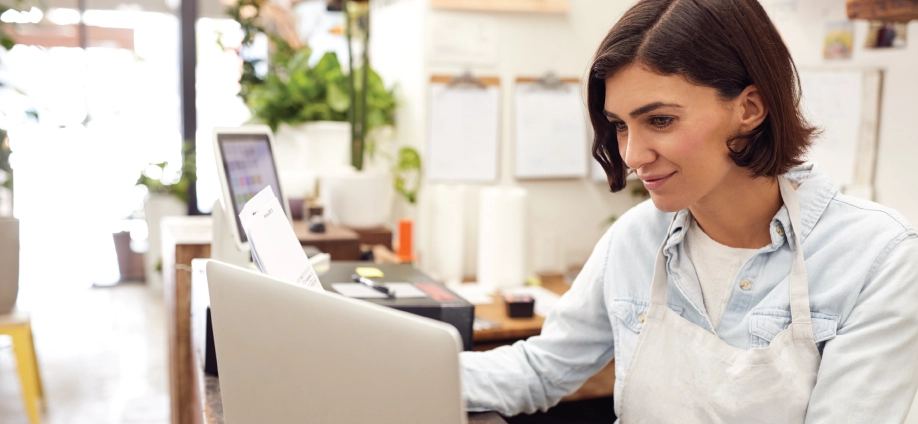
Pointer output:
x,y
292,355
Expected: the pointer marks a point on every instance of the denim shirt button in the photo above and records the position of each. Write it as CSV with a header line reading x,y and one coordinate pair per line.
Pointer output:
x,y
779,229
641,318
745,284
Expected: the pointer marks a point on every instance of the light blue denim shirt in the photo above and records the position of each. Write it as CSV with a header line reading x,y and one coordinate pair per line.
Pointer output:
x,y
862,263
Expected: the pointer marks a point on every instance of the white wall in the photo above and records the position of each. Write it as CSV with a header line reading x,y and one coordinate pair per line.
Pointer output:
x,y
803,28
565,216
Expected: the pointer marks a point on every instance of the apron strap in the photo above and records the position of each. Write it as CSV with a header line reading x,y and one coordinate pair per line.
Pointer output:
x,y
659,285
799,291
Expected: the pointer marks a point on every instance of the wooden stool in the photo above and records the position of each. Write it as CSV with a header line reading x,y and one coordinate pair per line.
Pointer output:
x,y
18,326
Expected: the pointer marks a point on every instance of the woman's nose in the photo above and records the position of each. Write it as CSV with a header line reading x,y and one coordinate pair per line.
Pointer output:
x,y
636,152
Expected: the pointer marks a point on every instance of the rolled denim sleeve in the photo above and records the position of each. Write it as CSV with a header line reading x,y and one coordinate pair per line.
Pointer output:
x,y
576,342
869,372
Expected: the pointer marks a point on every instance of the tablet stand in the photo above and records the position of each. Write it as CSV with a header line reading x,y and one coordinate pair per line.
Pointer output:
x,y
223,248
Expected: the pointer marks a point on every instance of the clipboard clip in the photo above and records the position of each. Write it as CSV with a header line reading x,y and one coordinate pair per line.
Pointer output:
x,y
549,81
466,79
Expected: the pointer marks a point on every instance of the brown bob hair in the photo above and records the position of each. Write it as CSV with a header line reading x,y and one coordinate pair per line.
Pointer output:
x,y
723,44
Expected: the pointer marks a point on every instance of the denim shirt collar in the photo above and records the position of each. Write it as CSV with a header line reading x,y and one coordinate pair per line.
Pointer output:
x,y
814,188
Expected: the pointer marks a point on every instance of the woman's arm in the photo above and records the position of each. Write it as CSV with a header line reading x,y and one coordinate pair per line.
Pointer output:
x,y
576,342
869,372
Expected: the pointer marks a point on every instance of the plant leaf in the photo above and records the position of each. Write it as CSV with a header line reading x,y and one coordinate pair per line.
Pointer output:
x,y
337,98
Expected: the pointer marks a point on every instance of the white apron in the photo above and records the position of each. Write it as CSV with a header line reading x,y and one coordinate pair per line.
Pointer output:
x,y
681,373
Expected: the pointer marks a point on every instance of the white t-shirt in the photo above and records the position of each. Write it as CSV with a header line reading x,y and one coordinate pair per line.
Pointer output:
x,y
716,266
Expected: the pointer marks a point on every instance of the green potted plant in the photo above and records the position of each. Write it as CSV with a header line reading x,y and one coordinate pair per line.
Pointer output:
x,y
6,182
167,189
9,226
9,240
327,119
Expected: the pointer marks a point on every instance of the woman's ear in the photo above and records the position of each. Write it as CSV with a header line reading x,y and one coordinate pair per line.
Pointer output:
x,y
752,109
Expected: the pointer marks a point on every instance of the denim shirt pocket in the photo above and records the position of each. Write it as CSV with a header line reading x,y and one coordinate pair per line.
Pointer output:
x,y
766,323
628,316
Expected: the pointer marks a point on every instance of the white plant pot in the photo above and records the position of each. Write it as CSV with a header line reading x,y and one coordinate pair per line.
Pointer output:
x,y
357,199
9,263
307,150
157,207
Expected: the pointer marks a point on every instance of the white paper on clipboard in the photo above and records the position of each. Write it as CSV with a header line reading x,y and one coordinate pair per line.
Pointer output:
x,y
464,133
551,131
832,100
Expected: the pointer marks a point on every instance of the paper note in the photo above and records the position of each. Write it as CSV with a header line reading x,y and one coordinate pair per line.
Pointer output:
x,y
358,291
464,133
463,40
551,131
833,101
275,248
369,272
473,293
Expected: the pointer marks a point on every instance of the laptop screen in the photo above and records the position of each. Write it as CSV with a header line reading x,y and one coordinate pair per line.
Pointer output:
x,y
249,166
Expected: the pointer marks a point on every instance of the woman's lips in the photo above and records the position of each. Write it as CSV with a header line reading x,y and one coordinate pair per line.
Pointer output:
x,y
655,183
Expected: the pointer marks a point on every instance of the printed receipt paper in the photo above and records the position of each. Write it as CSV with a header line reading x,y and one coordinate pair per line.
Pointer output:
x,y
275,249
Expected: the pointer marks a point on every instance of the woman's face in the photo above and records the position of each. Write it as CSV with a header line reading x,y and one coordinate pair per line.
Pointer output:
x,y
672,134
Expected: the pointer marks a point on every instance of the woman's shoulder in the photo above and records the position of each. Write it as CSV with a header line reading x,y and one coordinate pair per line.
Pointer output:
x,y
857,231
871,215
857,220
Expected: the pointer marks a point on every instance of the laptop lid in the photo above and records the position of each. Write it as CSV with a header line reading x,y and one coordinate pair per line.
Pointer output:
x,y
293,355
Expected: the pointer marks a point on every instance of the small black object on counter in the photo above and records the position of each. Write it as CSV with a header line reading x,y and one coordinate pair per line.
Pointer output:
x,y
316,224
519,306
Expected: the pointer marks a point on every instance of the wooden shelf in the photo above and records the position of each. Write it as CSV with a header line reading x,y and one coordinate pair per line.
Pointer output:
x,y
542,6
884,10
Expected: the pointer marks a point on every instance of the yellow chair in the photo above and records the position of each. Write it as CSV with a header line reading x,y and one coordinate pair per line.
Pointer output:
x,y
18,326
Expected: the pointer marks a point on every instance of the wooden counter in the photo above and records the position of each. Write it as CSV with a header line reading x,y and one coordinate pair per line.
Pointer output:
x,y
187,238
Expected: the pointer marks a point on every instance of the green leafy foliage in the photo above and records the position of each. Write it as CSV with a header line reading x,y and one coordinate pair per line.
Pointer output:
x,y
179,189
295,93
6,40
292,92
407,171
5,160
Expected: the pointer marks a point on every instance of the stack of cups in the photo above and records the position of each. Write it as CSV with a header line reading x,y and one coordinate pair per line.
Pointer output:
x,y
502,237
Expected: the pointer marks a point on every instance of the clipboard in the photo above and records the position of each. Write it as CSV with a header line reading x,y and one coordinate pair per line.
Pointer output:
x,y
463,129
551,130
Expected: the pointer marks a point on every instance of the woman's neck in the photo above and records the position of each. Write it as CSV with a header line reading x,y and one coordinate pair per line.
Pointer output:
x,y
738,213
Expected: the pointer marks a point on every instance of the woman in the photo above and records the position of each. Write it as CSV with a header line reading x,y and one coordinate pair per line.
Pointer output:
x,y
749,289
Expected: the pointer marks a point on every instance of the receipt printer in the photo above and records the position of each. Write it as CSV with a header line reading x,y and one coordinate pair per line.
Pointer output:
x,y
439,303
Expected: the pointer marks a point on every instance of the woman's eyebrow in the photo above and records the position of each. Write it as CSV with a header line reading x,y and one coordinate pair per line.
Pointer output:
x,y
642,110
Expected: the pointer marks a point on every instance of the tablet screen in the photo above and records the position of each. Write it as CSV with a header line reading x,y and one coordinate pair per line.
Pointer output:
x,y
249,166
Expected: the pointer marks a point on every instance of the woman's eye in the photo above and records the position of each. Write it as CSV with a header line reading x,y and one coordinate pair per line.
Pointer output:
x,y
661,121
620,126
